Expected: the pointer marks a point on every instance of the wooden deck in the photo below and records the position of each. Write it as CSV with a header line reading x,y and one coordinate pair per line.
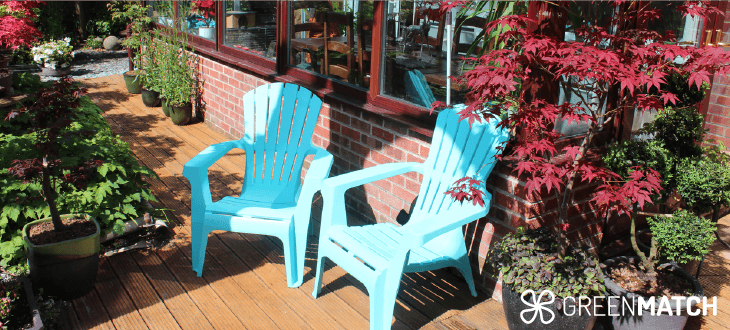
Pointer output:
x,y
243,284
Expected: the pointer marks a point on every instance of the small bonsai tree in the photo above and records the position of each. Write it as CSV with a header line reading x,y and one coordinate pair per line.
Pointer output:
x,y
682,237
612,57
51,114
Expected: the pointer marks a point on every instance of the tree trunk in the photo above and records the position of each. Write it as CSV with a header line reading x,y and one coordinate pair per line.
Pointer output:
x,y
82,18
50,197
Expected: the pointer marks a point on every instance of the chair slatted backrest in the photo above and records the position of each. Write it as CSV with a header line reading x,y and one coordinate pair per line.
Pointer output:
x,y
457,150
279,120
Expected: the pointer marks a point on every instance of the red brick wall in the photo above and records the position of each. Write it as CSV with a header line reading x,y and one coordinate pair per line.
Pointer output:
x,y
717,120
360,139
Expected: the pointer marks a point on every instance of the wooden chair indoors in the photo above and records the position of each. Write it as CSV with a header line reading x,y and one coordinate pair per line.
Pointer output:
x,y
425,20
364,42
342,68
312,29
461,47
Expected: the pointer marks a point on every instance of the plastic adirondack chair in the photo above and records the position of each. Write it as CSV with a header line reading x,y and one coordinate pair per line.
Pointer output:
x,y
377,255
417,89
279,120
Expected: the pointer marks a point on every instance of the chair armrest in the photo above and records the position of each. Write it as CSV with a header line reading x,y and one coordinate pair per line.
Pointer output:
x,y
422,232
318,170
333,189
196,171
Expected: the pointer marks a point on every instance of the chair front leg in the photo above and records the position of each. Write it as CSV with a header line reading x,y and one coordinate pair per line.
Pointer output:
x,y
199,241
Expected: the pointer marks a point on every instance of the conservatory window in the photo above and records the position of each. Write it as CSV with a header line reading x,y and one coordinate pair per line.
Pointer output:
x,y
250,26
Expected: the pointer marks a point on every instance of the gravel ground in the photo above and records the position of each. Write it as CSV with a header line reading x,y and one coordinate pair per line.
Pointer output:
x,y
95,63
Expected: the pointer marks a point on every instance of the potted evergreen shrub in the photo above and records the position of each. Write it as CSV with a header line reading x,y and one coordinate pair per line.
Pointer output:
x,y
177,75
54,57
152,77
136,14
62,250
683,238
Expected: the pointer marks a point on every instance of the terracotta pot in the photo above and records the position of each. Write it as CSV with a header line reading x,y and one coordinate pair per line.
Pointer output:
x,y
181,114
150,98
57,72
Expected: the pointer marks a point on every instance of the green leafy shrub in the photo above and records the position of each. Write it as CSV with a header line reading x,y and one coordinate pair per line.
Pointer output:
x,y
113,193
624,156
529,260
683,237
703,184
27,82
680,130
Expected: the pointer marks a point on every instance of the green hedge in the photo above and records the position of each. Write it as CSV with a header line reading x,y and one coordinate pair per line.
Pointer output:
x,y
114,194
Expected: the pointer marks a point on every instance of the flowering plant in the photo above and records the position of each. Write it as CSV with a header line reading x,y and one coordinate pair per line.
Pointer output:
x,y
207,8
53,54
16,23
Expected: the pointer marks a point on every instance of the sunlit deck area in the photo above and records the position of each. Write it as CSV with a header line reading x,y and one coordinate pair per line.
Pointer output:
x,y
244,284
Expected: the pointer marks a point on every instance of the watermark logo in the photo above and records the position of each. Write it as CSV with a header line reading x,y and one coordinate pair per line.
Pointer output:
x,y
538,306
617,306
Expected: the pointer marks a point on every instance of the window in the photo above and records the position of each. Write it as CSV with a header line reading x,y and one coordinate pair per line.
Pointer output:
x,y
250,26
198,18
332,39
163,13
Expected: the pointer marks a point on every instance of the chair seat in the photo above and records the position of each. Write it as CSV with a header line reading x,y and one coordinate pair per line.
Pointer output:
x,y
242,207
376,244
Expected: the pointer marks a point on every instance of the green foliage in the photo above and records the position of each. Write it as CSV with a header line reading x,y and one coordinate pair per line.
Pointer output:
x,y
680,130
57,19
716,152
135,14
175,69
703,184
529,260
114,193
27,82
21,55
94,43
622,157
683,237
491,10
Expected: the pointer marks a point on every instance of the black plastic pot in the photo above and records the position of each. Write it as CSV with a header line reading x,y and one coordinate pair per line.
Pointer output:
x,y
181,114
165,107
64,269
133,82
514,306
631,321
150,98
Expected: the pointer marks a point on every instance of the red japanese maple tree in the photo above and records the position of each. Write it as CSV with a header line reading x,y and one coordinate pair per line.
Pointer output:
x,y
16,23
617,56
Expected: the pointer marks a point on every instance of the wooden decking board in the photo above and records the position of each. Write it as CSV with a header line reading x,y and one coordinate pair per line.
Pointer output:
x,y
90,312
216,300
116,301
324,315
182,308
145,298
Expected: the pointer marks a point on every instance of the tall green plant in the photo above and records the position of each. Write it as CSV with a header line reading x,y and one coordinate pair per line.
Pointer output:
x,y
177,62
491,10
135,15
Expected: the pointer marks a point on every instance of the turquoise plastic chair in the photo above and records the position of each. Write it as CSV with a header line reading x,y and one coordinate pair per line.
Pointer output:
x,y
417,89
279,120
377,255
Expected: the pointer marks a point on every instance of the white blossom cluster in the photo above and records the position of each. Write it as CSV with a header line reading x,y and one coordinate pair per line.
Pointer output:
x,y
54,54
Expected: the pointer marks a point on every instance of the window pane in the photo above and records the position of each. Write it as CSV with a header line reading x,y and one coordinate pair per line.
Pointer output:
x,y
251,27
162,12
415,54
198,18
343,53
686,29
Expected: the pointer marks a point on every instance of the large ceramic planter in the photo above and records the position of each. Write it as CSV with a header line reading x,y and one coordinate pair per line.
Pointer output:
x,y
629,321
514,306
6,82
133,82
150,98
57,72
165,107
181,114
65,269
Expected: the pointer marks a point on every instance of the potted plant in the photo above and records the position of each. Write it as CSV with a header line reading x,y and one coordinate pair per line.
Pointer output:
x,y
54,57
519,84
62,250
152,77
16,18
683,238
530,266
136,14
206,8
177,76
